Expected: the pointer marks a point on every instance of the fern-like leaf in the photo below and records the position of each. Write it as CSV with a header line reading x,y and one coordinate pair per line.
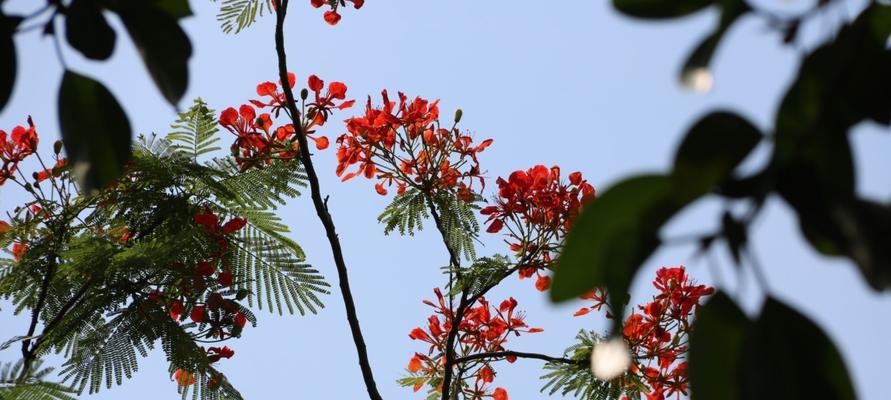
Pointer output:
x,y
236,15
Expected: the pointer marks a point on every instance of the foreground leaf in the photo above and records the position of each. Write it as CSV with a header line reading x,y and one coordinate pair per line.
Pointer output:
x,y
95,131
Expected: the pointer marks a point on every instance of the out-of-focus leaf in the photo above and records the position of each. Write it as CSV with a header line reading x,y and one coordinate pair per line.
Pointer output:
x,y
660,9
716,345
699,60
613,236
163,45
7,59
87,30
735,234
788,357
176,8
711,151
839,85
95,131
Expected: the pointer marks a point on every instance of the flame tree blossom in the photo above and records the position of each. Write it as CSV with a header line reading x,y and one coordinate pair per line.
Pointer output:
x,y
536,208
405,145
258,142
484,329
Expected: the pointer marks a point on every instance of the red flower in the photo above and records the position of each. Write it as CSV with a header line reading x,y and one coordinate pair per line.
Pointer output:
x,y
225,278
224,352
240,320
18,250
184,378
208,220
234,225
4,227
499,394
176,309
543,283
414,365
15,147
197,314
205,268
404,144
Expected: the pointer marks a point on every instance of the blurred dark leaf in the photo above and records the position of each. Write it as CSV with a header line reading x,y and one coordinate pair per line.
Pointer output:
x,y
660,9
95,131
842,83
788,357
613,236
716,345
176,8
735,234
163,45
8,57
702,55
710,152
87,30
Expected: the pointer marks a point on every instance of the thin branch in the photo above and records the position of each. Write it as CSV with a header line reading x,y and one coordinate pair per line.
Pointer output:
x,y
321,209
518,354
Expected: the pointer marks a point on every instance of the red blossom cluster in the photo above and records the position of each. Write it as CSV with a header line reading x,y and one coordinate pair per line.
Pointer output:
x,y
15,147
405,145
258,143
331,15
657,336
483,329
200,297
537,209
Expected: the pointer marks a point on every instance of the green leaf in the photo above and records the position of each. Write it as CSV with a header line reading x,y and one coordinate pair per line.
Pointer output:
x,y
660,9
612,236
789,357
87,30
711,151
95,130
701,57
8,65
716,345
164,47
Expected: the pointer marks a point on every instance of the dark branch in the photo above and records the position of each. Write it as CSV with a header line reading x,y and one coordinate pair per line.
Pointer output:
x,y
518,354
321,209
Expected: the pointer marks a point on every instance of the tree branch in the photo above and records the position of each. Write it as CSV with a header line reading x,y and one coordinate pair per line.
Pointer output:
x,y
518,354
321,209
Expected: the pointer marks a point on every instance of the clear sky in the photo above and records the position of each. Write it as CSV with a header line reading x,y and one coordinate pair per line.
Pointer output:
x,y
568,83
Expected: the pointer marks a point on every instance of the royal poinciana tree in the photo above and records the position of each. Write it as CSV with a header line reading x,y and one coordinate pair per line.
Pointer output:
x,y
129,245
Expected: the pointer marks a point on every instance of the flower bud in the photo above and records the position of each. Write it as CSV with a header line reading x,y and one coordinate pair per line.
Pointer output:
x,y
304,93
57,147
458,114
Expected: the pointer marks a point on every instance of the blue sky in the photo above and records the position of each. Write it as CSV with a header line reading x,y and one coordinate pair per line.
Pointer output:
x,y
568,83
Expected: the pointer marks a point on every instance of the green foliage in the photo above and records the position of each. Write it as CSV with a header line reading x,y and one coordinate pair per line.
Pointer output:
x,y
236,15
97,287
576,379
406,213
484,273
408,210
32,387
195,131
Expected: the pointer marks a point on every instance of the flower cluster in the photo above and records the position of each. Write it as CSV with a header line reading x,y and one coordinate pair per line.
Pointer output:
x,y
258,143
200,295
15,147
657,334
537,208
405,145
483,329
331,15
